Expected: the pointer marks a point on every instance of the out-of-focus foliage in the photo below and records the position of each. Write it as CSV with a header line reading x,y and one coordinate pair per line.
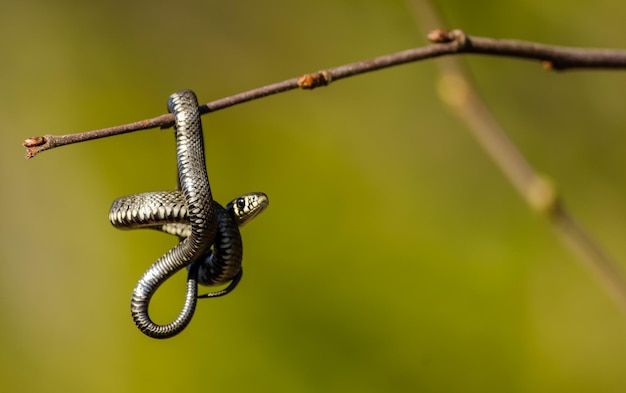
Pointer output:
x,y
394,257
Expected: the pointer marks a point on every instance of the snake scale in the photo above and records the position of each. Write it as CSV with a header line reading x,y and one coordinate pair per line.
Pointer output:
x,y
191,214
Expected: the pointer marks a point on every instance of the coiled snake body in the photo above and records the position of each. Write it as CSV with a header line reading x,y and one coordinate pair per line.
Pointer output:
x,y
223,263
191,214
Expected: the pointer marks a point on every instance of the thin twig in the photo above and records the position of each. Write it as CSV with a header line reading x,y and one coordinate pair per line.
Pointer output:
x,y
457,90
444,43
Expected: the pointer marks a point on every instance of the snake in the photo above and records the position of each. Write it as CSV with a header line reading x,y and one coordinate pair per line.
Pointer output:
x,y
190,213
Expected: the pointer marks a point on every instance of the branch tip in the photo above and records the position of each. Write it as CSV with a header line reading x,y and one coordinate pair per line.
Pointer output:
x,y
317,79
460,37
442,36
439,36
34,141
35,144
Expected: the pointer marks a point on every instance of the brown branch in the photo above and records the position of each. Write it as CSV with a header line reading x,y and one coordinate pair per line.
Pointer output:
x,y
552,57
444,43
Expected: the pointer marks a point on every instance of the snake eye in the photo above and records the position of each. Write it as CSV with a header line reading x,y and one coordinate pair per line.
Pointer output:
x,y
241,203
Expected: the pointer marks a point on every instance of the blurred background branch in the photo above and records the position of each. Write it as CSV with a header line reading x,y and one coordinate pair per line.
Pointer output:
x,y
457,90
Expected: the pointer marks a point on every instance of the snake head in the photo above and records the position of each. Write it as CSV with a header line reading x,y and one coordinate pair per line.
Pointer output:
x,y
247,206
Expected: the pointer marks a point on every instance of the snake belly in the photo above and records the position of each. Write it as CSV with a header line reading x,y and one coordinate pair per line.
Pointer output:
x,y
155,209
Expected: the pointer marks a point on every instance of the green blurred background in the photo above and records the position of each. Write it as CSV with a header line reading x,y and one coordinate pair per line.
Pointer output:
x,y
394,256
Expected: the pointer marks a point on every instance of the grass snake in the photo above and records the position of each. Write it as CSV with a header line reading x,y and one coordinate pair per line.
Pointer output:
x,y
191,214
